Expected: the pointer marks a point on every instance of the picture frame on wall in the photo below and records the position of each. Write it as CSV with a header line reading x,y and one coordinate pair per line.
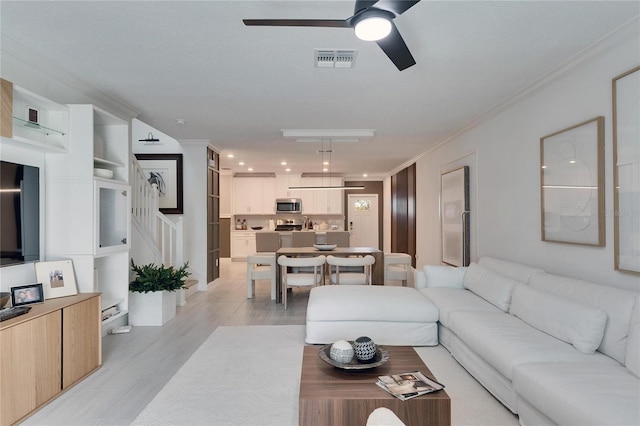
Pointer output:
x,y
57,277
27,294
454,217
572,184
165,170
626,170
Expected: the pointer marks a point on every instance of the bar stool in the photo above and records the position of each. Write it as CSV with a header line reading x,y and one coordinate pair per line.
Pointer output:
x,y
267,241
261,266
397,267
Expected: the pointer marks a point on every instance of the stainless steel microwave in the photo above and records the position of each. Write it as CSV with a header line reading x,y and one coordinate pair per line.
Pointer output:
x,y
288,205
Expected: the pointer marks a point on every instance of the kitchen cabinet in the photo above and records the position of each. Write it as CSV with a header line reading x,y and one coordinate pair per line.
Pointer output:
x,y
254,195
283,182
242,244
46,351
322,201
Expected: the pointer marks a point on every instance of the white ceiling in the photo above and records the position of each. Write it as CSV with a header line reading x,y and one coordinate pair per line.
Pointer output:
x,y
240,86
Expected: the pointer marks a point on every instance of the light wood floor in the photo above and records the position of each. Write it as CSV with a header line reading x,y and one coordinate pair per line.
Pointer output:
x,y
137,365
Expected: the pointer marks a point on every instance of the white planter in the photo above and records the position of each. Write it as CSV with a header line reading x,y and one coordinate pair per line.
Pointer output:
x,y
153,308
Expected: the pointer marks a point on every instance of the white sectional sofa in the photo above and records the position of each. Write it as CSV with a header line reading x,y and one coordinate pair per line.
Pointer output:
x,y
554,350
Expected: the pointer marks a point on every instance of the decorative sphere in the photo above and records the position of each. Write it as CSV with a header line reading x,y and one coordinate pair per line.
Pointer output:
x,y
341,351
365,348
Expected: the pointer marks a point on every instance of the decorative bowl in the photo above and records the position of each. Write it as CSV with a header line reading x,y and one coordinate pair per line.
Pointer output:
x,y
381,357
256,228
325,247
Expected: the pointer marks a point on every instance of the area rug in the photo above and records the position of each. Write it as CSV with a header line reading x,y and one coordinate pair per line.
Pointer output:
x,y
250,375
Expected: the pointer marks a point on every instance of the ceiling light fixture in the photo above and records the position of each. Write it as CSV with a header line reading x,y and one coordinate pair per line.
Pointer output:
x,y
373,27
335,135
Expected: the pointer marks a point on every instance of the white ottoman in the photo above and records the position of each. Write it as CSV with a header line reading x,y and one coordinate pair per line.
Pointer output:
x,y
399,316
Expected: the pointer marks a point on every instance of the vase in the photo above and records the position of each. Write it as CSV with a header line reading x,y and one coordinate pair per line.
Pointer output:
x,y
153,308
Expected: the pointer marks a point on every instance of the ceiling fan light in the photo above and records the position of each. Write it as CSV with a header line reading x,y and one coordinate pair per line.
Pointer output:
x,y
373,29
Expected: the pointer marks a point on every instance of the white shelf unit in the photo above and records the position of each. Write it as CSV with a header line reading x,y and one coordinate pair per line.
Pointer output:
x,y
51,132
88,217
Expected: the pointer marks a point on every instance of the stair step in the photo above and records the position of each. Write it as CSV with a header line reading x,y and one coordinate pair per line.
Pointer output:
x,y
190,283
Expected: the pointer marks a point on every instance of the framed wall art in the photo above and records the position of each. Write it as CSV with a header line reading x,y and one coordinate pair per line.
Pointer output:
x,y
454,217
58,278
626,170
165,170
27,294
572,184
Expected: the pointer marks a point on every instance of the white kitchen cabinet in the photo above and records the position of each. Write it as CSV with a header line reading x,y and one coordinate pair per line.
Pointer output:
x,y
322,201
254,195
242,244
283,182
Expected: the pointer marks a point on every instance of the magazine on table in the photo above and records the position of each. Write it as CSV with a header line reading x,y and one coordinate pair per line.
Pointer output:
x,y
408,385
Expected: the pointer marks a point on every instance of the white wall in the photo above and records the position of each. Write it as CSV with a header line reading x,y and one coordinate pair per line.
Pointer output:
x,y
503,155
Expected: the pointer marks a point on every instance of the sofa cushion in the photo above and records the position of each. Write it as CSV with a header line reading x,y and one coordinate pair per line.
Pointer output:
x,y
504,341
616,303
515,271
369,303
632,357
449,300
491,286
580,393
444,276
575,323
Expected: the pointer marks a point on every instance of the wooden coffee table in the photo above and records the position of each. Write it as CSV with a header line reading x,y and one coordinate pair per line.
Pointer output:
x,y
332,396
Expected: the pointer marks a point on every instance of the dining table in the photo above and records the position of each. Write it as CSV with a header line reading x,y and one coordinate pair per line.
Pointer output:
x,y
377,269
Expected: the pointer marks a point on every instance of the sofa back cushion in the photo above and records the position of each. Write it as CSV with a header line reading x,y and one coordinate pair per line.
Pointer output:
x,y
572,322
444,276
632,358
616,303
515,271
491,286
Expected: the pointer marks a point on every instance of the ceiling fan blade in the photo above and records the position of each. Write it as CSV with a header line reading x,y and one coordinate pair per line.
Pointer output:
x,y
397,7
333,23
396,49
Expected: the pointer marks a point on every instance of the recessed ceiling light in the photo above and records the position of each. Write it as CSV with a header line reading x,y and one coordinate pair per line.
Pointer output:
x,y
241,163
325,163
325,169
230,155
284,163
250,169
287,169
364,175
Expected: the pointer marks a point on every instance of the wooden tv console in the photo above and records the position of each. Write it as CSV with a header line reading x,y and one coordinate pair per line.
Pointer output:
x,y
46,351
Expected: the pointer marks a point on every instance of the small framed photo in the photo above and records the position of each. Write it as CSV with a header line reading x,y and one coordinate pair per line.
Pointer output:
x,y
27,294
57,278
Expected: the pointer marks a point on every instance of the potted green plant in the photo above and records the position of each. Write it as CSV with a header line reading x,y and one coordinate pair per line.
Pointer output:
x,y
152,292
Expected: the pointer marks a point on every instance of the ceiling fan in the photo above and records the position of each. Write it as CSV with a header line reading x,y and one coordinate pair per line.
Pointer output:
x,y
372,20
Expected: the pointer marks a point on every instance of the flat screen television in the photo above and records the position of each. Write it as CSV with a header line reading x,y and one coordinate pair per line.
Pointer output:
x,y
19,213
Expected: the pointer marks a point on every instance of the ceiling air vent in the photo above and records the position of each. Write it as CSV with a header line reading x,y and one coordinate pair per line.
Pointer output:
x,y
328,58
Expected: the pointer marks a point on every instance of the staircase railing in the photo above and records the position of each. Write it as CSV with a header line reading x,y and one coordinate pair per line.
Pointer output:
x,y
168,236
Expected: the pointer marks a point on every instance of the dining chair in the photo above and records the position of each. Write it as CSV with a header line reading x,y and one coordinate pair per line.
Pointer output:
x,y
303,239
291,278
267,241
261,266
358,278
341,238
397,267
